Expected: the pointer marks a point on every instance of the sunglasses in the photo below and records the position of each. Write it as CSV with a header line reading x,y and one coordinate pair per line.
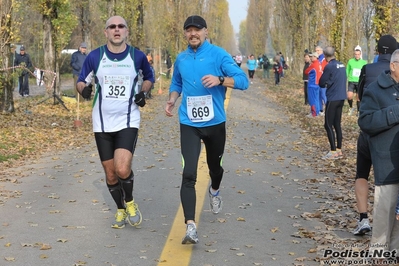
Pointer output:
x,y
113,26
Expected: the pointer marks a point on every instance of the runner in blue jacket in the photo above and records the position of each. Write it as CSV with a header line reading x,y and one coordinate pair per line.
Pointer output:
x,y
200,76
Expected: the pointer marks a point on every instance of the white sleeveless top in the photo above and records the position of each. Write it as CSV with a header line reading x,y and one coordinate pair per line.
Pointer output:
x,y
114,108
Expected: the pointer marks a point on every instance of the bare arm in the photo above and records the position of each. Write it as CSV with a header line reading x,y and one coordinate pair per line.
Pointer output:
x,y
80,86
170,104
146,86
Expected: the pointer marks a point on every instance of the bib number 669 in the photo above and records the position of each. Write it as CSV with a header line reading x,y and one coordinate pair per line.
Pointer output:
x,y
200,112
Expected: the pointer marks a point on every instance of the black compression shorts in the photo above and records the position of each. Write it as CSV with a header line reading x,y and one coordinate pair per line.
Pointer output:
x,y
108,142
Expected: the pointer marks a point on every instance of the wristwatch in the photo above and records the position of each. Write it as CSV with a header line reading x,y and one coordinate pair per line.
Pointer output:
x,y
221,79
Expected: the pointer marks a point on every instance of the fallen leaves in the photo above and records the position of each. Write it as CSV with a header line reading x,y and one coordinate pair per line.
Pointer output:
x,y
56,131
45,247
274,229
336,204
40,246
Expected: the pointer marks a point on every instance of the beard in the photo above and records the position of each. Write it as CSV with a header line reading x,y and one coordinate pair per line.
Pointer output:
x,y
195,46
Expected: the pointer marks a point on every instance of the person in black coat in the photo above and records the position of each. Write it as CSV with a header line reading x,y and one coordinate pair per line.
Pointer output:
x,y
369,73
77,60
379,118
23,59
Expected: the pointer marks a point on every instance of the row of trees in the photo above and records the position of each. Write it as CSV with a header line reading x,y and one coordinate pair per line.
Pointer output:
x,y
295,25
46,27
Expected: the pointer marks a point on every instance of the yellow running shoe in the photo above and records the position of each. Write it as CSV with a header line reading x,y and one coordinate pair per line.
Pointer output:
x,y
133,213
120,219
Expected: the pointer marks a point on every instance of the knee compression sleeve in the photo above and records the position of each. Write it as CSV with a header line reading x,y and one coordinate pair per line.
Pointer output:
x,y
117,194
127,186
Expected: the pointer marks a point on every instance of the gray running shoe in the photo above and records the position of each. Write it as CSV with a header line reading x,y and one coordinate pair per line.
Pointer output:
x,y
362,227
120,219
133,213
191,236
215,202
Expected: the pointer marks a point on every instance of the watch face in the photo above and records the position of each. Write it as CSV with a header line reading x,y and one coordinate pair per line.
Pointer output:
x,y
221,79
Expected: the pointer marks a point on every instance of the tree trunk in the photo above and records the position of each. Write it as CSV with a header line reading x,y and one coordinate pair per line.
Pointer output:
x,y
6,82
140,25
111,8
86,33
49,55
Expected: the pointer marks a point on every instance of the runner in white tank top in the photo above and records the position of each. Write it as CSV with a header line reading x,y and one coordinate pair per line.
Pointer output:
x,y
116,115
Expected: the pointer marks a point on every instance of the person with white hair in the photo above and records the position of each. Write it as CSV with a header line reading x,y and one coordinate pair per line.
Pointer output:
x,y
380,120
386,46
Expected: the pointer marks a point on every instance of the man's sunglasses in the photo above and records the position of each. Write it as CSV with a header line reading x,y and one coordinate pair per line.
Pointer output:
x,y
113,26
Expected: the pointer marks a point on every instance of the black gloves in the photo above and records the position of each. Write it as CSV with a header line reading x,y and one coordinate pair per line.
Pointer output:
x,y
139,99
86,92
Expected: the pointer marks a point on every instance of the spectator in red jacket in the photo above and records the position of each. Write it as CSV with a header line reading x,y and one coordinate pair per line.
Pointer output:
x,y
314,73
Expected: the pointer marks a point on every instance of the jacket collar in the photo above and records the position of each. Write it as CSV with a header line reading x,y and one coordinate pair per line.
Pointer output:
x,y
385,80
203,46
384,57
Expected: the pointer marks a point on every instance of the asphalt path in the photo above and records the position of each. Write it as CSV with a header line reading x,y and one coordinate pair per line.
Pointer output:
x,y
57,210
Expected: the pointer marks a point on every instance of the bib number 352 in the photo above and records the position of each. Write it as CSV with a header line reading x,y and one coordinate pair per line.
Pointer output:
x,y
116,87
200,108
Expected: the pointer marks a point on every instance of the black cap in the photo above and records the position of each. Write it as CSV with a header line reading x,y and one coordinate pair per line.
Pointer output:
x,y
195,21
22,48
387,44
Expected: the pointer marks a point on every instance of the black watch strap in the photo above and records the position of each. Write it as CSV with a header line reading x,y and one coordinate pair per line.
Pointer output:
x,y
221,79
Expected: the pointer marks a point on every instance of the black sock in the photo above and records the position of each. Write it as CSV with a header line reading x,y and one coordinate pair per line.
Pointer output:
x,y
117,194
350,103
363,215
127,186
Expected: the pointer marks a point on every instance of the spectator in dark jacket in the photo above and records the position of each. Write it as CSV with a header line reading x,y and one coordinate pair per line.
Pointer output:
x,y
277,69
23,59
379,118
266,67
369,73
334,80
77,60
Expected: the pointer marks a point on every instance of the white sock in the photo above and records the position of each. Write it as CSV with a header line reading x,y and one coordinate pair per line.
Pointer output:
x,y
214,192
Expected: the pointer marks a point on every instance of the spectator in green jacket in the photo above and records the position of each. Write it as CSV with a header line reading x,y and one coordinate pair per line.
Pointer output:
x,y
353,69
